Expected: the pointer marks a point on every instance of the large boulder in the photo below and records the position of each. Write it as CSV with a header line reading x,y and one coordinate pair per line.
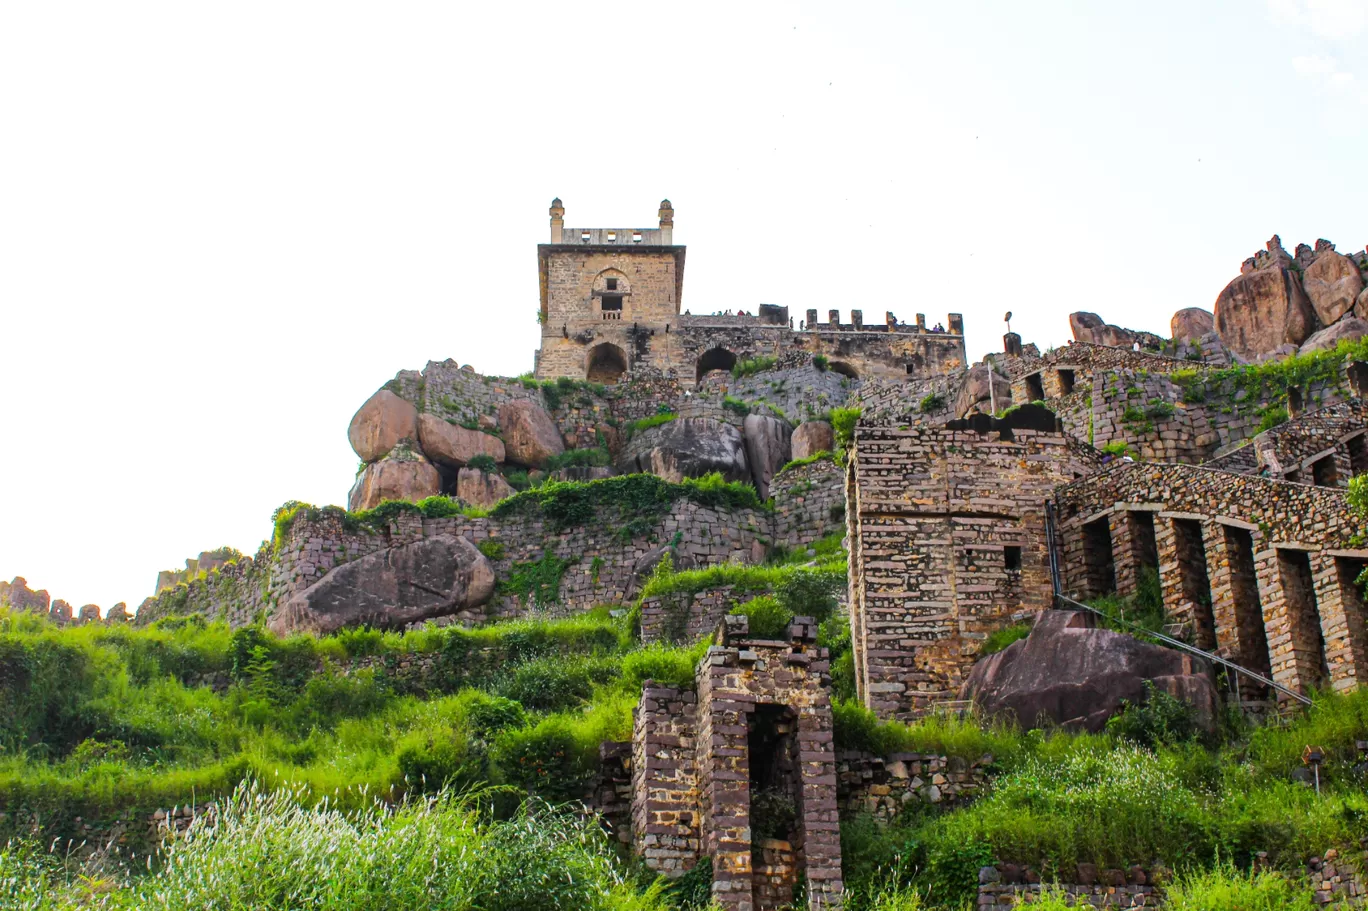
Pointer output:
x,y
433,577
1192,322
976,395
530,436
687,448
380,424
767,448
1076,676
449,444
1361,307
1089,327
1349,329
480,488
394,479
1262,310
1333,283
810,438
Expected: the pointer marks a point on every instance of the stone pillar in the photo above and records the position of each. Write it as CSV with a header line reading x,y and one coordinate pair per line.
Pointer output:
x,y
857,318
834,318
666,214
955,323
1341,615
1124,563
1292,664
921,322
557,220
1170,575
725,763
1011,344
1235,606
820,824
812,319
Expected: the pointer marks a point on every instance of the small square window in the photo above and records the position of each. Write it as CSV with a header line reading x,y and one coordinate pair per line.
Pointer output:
x,y
1012,557
636,237
612,284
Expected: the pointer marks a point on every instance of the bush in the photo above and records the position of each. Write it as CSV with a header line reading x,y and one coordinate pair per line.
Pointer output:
x,y
1117,448
483,463
820,361
932,402
843,421
1158,720
1271,417
1002,637
769,619
752,365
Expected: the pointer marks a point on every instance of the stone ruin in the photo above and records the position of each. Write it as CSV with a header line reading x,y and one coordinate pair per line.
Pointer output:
x,y
742,768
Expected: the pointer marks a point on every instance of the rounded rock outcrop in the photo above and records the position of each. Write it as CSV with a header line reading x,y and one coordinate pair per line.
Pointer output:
x,y
394,479
767,448
453,445
530,436
1192,323
480,488
1262,310
380,424
1333,283
687,448
810,438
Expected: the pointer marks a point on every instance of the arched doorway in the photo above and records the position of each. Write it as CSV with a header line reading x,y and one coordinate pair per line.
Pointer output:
x,y
715,359
844,369
607,363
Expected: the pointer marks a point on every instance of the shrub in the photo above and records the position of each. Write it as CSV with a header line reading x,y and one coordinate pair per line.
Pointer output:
x,y
820,456
647,423
596,457
1117,448
769,619
492,548
820,361
752,365
1271,417
483,463
843,421
932,402
1158,720
1002,637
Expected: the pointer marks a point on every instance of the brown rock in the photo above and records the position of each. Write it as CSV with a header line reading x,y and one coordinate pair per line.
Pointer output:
x,y
1077,676
767,448
1260,310
530,436
810,438
432,577
380,424
118,614
1361,307
974,393
90,613
448,444
1348,329
19,596
687,448
480,488
1333,283
394,479
1192,322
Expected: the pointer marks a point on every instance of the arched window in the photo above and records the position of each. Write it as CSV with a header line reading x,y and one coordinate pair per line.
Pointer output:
x,y
611,293
606,363
715,359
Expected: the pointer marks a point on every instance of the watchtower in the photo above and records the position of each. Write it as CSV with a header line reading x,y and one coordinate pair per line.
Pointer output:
x,y
609,297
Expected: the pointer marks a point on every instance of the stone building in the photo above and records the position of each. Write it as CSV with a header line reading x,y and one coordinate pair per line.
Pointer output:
x,y
947,538
742,768
611,305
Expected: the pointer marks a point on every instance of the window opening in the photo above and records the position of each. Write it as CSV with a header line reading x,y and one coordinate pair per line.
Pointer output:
x,y
1066,381
1323,471
1011,556
612,284
1035,389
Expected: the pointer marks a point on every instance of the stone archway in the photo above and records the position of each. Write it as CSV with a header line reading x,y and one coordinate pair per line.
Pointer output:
x,y
606,363
715,359
844,369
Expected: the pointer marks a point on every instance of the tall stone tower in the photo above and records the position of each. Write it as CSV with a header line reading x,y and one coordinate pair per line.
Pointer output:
x,y
609,297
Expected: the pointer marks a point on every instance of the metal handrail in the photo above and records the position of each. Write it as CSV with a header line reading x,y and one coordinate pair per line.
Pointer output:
x,y
1167,640
1183,646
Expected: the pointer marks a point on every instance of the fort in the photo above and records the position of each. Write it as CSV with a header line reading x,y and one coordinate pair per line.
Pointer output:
x,y
969,499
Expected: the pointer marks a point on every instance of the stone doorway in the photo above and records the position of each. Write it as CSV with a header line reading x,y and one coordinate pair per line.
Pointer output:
x,y
607,363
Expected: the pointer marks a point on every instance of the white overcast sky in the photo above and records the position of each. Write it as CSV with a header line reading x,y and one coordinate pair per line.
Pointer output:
x,y
222,226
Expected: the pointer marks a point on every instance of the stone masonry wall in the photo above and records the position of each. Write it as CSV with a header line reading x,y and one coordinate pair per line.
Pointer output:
x,y
600,572
948,542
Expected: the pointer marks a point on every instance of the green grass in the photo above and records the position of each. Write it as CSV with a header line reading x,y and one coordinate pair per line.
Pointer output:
x,y
266,851
647,423
1000,638
822,456
752,365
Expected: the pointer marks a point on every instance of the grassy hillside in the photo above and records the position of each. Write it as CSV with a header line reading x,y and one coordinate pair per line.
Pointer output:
x,y
350,780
